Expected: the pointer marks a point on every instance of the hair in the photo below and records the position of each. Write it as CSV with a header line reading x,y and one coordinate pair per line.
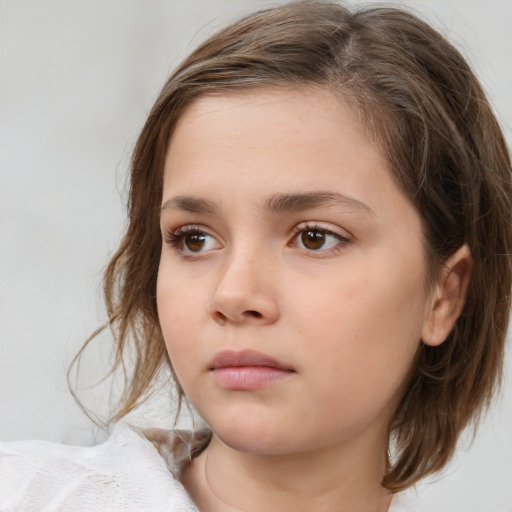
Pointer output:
x,y
419,99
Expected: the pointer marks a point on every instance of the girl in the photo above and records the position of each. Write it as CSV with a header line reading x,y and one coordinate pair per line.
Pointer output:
x,y
318,250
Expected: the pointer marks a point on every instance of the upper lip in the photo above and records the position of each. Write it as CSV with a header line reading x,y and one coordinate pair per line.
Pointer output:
x,y
234,358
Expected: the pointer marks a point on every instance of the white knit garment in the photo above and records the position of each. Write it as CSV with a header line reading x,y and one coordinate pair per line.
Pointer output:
x,y
126,473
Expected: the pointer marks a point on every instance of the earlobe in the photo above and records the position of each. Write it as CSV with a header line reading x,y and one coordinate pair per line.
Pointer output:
x,y
448,298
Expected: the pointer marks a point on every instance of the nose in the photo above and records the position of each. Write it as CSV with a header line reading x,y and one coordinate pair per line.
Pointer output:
x,y
246,291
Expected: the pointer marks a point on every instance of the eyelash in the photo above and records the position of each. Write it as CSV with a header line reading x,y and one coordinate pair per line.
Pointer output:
x,y
173,237
176,238
342,240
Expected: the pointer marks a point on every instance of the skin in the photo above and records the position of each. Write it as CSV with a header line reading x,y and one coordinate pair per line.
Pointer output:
x,y
346,314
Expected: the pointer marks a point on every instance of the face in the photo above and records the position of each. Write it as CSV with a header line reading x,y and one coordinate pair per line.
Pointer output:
x,y
291,288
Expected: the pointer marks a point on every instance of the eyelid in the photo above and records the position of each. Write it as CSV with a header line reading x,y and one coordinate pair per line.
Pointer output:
x,y
174,237
325,227
343,236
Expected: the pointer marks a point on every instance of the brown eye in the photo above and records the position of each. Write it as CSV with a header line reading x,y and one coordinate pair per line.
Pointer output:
x,y
194,242
313,239
318,239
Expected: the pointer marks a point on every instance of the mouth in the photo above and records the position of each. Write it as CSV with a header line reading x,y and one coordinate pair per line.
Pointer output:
x,y
247,370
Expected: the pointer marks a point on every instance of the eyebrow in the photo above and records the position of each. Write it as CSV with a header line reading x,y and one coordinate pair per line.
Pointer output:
x,y
189,204
278,203
282,203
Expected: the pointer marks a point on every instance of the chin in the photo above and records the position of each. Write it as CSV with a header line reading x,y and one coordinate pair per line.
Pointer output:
x,y
249,435
255,444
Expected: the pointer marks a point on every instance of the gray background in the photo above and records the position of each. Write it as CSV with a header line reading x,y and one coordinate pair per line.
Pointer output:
x,y
77,79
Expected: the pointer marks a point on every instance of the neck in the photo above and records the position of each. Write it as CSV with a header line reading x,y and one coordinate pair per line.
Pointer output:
x,y
333,478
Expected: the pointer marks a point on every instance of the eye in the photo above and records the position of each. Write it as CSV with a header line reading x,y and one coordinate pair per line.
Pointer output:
x,y
192,240
314,238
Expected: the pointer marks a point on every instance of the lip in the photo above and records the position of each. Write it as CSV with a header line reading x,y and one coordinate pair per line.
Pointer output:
x,y
247,370
234,358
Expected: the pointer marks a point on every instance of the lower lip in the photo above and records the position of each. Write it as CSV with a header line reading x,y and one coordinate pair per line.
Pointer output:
x,y
248,378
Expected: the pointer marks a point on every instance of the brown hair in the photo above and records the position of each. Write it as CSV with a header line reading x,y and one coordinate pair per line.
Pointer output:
x,y
420,100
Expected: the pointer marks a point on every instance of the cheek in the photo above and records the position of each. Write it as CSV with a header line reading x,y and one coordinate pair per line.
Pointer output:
x,y
363,330
366,299
177,312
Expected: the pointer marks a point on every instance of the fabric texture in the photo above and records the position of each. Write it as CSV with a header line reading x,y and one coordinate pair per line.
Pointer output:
x,y
136,469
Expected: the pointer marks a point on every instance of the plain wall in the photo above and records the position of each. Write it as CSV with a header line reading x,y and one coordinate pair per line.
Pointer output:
x,y
77,79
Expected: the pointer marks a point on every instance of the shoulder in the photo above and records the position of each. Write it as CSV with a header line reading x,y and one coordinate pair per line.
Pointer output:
x,y
399,504
127,472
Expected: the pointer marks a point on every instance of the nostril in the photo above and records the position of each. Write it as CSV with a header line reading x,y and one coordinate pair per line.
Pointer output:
x,y
221,318
254,314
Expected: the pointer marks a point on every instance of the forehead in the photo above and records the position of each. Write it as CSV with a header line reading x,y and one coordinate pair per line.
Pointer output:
x,y
274,126
242,149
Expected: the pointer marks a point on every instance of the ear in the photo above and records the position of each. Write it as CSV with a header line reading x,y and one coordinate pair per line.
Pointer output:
x,y
448,297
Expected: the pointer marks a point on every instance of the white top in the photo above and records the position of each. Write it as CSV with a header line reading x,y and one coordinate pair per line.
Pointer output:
x,y
134,470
